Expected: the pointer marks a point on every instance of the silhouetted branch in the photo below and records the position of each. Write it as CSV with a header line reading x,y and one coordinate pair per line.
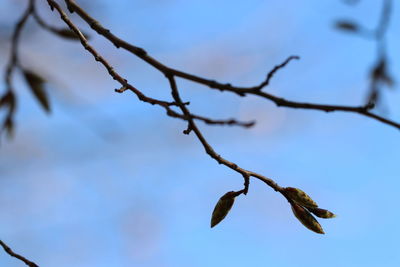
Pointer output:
x,y
242,91
208,148
274,70
227,201
15,255
183,106
230,122
299,201
125,85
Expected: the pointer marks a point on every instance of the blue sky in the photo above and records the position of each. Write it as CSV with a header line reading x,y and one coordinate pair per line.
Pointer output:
x,y
107,180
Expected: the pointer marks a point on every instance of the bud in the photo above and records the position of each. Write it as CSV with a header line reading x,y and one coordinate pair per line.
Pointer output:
x,y
380,73
300,197
222,208
8,99
326,214
9,127
306,219
36,84
69,34
347,26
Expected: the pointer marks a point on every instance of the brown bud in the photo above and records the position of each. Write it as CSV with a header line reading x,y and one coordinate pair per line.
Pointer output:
x,y
69,34
222,208
306,219
36,84
379,69
326,214
8,99
347,26
300,197
9,127
380,72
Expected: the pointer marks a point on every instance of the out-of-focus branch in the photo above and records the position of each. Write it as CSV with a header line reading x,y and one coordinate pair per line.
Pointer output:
x,y
17,256
8,99
13,62
379,74
384,20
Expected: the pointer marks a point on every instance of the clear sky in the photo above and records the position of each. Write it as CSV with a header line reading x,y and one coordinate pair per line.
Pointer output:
x,y
107,180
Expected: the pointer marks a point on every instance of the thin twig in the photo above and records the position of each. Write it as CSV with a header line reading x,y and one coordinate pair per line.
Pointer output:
x,y
208,148
229,122
242,91
275,69
172,73
126,86
190,118
183,106
15,255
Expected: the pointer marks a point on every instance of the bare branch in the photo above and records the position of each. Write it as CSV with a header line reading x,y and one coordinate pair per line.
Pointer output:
x,y
124,83
186,113
242,91
275,69
230,122
7,100
17,256
208,148
172,73
126,86
378,74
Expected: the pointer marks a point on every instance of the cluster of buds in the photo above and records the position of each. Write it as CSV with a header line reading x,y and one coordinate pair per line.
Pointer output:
x,y
303,207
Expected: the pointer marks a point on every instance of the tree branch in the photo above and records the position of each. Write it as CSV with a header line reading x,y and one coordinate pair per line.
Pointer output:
x,y
8,98
183,106
241,91
229,122
15,255
126,86
208,148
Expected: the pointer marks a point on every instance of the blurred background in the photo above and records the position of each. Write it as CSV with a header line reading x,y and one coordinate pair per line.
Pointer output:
x,y
107,180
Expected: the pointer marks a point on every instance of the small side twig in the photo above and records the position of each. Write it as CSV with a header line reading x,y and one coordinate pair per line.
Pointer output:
x,y
229,122
275,69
